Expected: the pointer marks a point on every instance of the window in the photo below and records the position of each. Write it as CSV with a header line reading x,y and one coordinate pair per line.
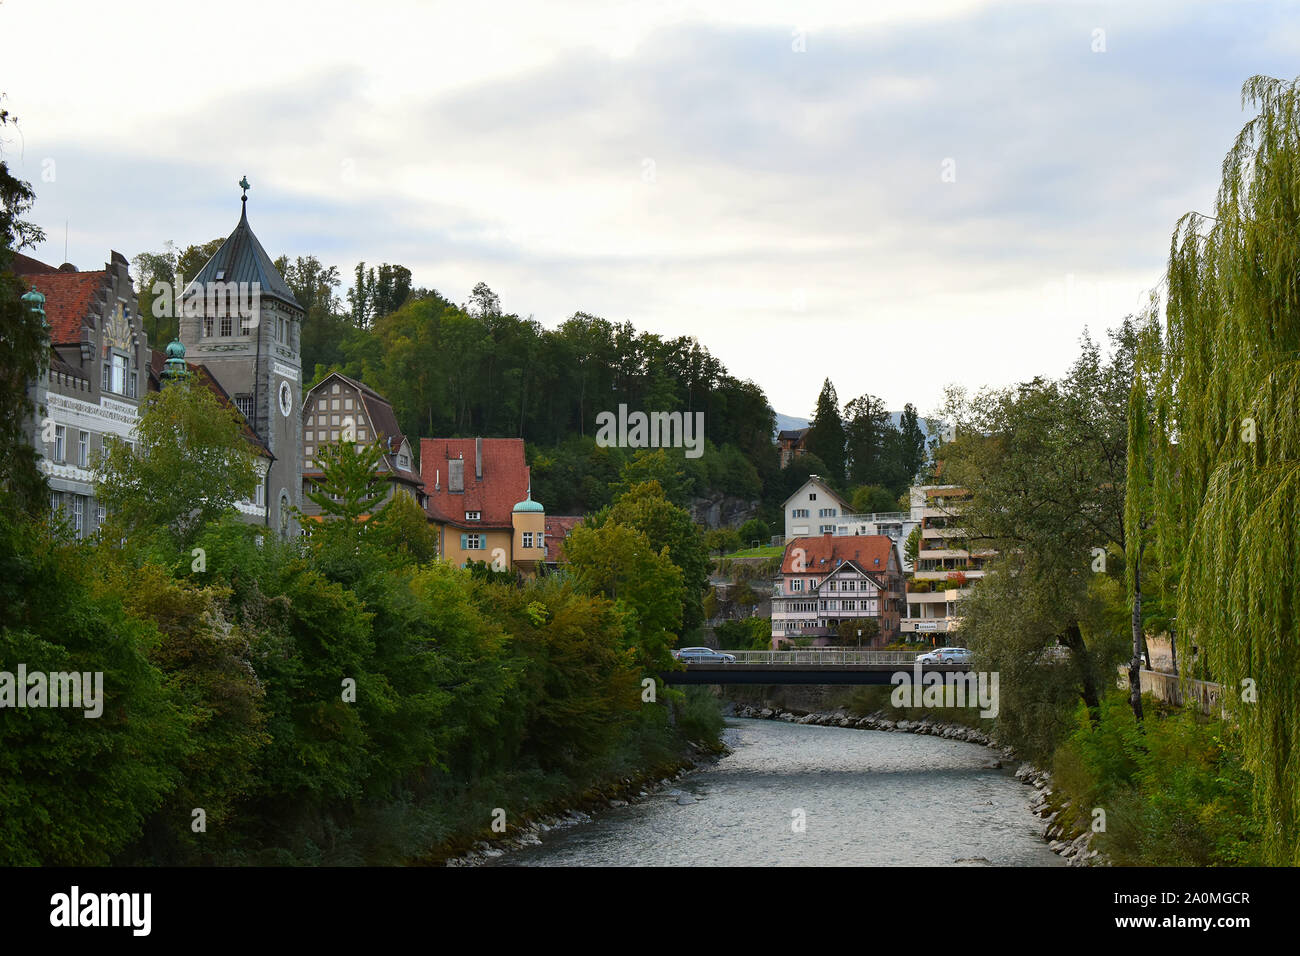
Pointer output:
x,y
245,325
100,515
826,513
799,513
60,443
309,450
362,434
471,542
796,585
334,419
118,381
528,539
207,326
226,329
826,528
403,461
309,436
245,405
259,496
812,496
79,515
347,404
83,449
473,515
335,406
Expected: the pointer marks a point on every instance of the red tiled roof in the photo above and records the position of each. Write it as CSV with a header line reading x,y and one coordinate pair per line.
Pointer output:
x,y
557,530
69,297
823,553
504,484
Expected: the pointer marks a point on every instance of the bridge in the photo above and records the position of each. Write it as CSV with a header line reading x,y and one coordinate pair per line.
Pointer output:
x,y
812,665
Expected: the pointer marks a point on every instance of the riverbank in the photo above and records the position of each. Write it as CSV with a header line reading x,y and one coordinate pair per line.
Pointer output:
x,y
1047,803
571,810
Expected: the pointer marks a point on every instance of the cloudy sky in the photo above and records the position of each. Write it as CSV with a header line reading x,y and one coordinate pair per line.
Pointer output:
x,y
895,195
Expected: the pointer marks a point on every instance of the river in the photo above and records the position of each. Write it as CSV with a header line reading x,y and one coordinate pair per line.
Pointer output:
x,y
863,797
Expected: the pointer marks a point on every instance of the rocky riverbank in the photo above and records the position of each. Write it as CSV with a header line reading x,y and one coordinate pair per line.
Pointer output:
x,y
1073,845
616,793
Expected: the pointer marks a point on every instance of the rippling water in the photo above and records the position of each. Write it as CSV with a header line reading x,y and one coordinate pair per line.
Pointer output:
x,y
868,798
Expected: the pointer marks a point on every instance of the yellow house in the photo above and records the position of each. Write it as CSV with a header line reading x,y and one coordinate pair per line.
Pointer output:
x,y
480,502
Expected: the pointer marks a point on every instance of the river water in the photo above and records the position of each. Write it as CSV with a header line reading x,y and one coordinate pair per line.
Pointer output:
x,y
863,797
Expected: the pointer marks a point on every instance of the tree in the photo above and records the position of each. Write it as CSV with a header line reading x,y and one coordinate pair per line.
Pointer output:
x,y
189,465
24,348
619,562
867,432
754,530
826,437
1225,446
1045,465
871,499
670,528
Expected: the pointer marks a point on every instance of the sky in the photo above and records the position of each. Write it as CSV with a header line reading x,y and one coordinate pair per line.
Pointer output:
x,y
894,196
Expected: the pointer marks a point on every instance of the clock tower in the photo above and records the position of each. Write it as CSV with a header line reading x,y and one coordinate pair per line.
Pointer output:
x,y
240,319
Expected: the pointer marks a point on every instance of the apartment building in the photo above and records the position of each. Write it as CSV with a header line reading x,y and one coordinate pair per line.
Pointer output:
x,y
826,580
945,566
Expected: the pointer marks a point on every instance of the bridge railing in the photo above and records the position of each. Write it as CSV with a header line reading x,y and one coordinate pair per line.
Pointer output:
x,y
824,655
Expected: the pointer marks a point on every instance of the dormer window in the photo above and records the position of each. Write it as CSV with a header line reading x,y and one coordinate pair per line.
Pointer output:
x,y
221,274
473,515
404,461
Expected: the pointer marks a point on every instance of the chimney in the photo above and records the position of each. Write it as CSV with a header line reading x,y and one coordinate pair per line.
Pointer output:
x,y
478,459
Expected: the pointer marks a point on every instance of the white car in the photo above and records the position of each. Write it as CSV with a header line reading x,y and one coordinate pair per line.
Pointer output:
x,y
945,655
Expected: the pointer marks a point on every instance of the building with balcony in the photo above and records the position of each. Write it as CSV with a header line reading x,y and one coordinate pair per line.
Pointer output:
x,y
827,581
945,566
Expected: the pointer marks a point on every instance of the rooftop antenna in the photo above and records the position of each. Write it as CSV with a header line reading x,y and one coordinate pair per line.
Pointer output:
x,y
65,240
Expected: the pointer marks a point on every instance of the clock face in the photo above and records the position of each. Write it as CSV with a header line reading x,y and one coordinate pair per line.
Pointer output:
x,y
286,400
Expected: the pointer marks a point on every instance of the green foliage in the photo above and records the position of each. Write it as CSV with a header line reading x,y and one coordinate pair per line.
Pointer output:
x,y
74,789
24,349
620,563
1173,787
669,528
744,634
826,437
189,466
871,499
1222,407
754,530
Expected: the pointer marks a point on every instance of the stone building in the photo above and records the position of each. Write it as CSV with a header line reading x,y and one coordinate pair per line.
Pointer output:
x,y
241,321
90,395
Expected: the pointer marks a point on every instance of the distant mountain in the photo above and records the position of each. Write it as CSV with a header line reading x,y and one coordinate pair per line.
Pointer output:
x,y
791,423
788,423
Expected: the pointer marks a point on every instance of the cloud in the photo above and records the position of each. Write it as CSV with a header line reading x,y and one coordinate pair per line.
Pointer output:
x,y
682,166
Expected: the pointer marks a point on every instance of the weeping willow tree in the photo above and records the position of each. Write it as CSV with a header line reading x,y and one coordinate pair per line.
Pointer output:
x,y
1223,410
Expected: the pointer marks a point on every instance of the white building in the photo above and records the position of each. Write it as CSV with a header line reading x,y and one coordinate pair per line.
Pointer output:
x,y
816,509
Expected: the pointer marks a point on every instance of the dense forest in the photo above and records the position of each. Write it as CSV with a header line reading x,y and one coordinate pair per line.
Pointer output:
x,y
473,369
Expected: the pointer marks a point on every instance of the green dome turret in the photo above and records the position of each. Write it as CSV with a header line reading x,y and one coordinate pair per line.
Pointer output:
x,y
528,504
175,365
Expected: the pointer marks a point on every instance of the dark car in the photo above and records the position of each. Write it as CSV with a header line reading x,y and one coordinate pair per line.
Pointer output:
x,y
703,655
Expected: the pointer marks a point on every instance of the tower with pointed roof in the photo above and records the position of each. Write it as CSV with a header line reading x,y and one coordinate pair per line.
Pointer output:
x,y
240,319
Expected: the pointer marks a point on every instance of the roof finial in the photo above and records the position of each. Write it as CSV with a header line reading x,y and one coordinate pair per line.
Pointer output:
x,y
243,183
